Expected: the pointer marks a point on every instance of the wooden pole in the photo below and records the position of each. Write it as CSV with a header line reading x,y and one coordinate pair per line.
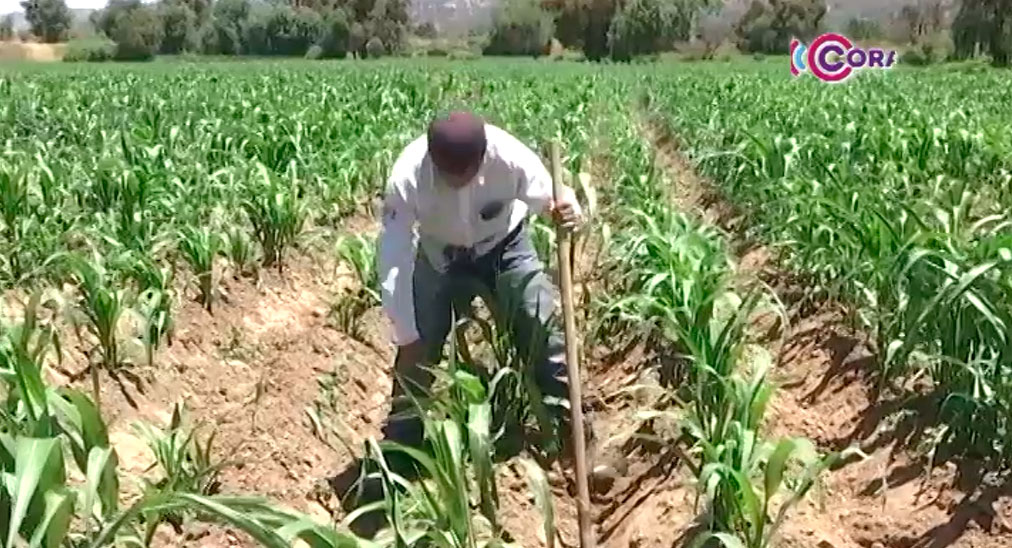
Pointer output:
x,y
565,250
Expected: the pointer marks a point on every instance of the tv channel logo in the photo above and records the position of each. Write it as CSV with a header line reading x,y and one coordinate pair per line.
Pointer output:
x,y
833,58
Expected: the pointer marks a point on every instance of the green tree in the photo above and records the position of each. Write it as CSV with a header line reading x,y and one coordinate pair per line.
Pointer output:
x,y
922,19
984,26
971,30
624,28
520,27
374,48
769,27
138,33
388,20
643,27
226,26
336,34
280,29
48,19
105,20
200,8
357,38
178,26
863,28
426,30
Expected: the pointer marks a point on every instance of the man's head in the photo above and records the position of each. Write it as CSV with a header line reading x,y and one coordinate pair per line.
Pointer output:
x,y
457,146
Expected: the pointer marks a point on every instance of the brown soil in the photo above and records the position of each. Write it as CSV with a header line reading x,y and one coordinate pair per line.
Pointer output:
x,y
249,372
892,499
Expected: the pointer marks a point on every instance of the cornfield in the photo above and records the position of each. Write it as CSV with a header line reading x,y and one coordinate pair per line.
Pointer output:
x,y
127,191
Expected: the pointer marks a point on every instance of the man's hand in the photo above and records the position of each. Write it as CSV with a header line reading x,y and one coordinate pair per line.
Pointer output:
x,y
564,214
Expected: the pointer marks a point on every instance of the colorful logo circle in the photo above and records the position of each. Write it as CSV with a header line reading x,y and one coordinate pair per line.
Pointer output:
x,y
827,57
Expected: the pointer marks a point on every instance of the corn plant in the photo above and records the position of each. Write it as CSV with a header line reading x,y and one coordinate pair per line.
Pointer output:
x,y
186,463
512,364
458,473
154,304
543,238
16,209
358,252
675,284
749,487
102,304
739,471
200,247
278,214
240,250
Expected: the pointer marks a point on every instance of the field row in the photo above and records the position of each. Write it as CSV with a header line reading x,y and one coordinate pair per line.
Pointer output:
x,y
890,198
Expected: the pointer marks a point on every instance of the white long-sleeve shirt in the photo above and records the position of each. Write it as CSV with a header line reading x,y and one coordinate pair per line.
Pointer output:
x,y
512,178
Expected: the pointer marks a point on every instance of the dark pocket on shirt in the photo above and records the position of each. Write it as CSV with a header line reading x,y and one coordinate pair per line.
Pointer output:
x,y
492,210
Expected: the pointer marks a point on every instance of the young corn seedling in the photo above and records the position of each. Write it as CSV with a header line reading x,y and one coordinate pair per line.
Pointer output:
x,y
24,347
16,210
675,280
358,252
457,474
749,481
516,354
154,303
277,213
543,236
200,247
241,251
103,306
750,487
185,462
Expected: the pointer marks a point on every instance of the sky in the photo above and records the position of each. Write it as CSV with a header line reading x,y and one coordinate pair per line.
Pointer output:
x,y
7,6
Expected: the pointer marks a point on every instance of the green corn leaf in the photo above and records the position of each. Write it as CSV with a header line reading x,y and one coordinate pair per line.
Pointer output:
x,y
52,529
38,468
776,465
470,384
102,484
321,536
479,418
234,517
538,483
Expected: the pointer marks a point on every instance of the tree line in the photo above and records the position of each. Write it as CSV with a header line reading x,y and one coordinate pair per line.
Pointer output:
x,y
621,29
133,30
601,29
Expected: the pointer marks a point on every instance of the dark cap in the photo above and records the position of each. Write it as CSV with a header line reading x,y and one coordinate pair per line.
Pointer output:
x,y
457,141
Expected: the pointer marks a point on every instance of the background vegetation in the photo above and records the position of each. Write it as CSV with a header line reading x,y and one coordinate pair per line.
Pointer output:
x,y
929,31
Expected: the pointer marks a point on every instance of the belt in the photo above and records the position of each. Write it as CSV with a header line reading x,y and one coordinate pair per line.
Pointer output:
x,y
465,258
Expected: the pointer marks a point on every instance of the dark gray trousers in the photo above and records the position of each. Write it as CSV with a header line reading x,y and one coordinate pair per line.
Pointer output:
x,y
520,290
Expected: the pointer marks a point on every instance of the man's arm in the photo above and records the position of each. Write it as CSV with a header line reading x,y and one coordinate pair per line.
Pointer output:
x,y
397,261
535,185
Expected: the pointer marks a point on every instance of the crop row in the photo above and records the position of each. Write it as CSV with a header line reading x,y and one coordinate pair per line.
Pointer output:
x,y
886,197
